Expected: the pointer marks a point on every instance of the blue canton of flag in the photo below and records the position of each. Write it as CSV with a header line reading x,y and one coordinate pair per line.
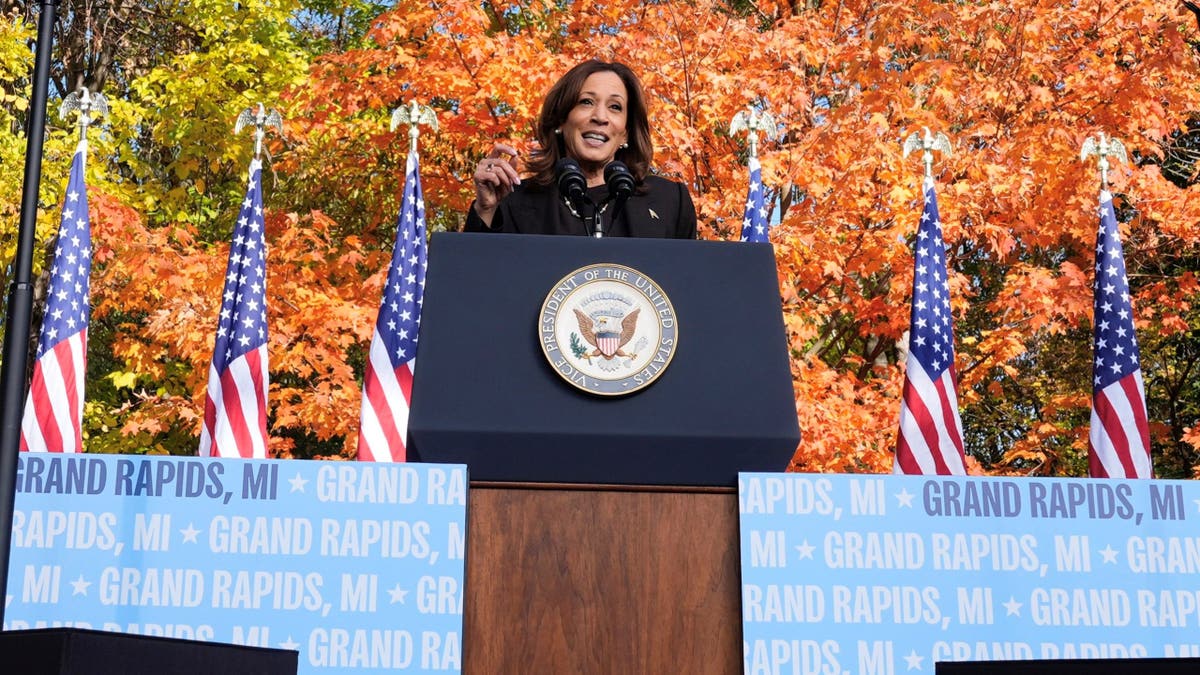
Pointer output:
x,y
930,439
53,416
1119,439
235,411
387,384
754,223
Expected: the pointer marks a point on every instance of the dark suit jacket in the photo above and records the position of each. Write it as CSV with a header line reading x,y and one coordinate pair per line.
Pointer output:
x,y
664,209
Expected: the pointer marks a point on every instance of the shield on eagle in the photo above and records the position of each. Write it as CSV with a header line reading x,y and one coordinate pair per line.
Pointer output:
x,y
605,333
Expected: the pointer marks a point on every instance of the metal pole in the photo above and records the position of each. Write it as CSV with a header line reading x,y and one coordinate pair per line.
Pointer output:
x,y
19,317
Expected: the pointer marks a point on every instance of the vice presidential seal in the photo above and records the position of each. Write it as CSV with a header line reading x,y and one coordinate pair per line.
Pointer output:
x,y
608,329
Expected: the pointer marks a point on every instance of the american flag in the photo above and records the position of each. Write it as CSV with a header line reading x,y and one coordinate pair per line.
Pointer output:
x,y
754,224
930,439
53,417
235,411
1120,436
387,385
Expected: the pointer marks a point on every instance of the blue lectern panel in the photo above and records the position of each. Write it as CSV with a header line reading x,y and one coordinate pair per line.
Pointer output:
x,y
890,574
359,567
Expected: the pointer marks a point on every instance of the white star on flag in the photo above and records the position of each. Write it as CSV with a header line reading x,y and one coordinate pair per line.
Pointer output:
x,y
754,223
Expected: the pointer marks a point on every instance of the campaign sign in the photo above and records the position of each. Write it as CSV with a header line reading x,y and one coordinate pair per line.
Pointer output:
x,y
876,575
358,566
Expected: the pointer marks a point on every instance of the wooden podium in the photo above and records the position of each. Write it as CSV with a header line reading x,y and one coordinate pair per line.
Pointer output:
x,y
574,564
587,579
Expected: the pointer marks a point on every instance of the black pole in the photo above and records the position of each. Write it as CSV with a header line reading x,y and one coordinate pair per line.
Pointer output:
x,y
19,317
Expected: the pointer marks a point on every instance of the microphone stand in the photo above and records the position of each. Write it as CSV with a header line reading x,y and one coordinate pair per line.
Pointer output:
x,y
596,221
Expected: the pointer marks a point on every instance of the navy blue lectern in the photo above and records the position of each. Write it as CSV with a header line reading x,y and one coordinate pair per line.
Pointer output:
x,y
485,395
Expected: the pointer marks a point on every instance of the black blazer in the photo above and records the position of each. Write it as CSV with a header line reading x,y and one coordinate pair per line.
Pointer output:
x,y
663,209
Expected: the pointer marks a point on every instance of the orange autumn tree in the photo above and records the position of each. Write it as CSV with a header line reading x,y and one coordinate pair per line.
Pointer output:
x,y
1017,86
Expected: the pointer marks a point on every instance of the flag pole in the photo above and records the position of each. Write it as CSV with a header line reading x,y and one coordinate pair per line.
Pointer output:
x,y
754,219
924,447
1119,430
387,379
927,145
19,314
240,354
1103,147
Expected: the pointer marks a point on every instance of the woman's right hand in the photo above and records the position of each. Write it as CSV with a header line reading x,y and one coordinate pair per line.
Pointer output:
x,y
495,178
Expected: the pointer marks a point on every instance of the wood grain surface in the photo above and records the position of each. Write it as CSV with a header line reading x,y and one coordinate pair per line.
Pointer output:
x,y
603,580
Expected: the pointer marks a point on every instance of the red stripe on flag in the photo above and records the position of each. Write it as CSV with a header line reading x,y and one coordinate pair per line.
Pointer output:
x,y
905,459
930,438
1120,438
1134,394
229,428
925,425
371,446
943,385
54,408
235,421
44,411
73,381
1118,445
949,389
389,439
255,361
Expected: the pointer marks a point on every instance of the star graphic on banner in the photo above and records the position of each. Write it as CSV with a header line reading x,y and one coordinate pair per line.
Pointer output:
x,y
1012,607
8,600
904,497
1109,554
806,550
397,594
913,661
189,534
79,586
289,644
298,483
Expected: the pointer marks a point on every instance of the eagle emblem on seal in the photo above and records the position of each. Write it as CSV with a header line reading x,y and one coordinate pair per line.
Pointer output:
x,y
607,334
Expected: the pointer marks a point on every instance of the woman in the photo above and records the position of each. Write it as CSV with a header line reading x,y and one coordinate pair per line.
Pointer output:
x,y
594,114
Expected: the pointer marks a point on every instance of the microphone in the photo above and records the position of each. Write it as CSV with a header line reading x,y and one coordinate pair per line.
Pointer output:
x,y
619,180
571,182
620,186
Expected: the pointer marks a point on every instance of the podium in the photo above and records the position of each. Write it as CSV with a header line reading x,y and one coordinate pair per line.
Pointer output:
x,y
486,396
602,531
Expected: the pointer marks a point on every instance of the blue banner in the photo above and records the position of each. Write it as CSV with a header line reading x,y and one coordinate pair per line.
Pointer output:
x,y
357,566
876,575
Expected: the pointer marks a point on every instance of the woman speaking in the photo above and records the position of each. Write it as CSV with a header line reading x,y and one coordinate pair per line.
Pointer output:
x,y
591,176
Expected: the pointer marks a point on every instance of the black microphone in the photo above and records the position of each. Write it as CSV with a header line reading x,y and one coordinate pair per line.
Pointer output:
x,y
571,182
620,186
619,180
